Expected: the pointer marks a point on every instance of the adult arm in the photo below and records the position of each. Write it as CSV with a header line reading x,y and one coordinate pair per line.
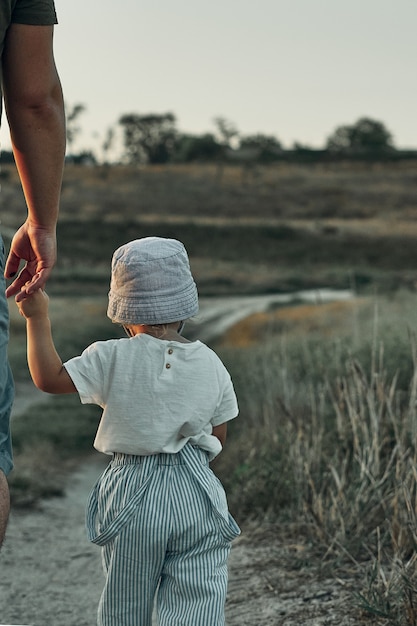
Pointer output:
x,y
4,505
35,112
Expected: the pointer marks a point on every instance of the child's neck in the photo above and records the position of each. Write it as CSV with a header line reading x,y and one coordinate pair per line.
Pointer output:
x,y
167,332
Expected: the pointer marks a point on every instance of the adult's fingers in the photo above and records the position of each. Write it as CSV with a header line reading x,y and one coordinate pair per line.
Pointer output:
x,y
12,265
31,282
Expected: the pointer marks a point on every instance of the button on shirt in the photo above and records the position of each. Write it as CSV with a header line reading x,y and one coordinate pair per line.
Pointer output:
x,y
156,395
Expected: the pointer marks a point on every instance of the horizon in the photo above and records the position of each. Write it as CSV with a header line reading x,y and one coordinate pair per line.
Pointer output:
x,y
295,71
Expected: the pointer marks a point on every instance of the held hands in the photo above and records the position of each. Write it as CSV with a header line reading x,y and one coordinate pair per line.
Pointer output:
x,y
34,305
37,246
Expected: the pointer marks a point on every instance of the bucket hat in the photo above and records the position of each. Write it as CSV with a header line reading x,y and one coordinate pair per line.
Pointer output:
x,y
151,283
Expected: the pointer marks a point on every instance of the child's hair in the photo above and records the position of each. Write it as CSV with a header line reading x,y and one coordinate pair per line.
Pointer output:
x,y
151,283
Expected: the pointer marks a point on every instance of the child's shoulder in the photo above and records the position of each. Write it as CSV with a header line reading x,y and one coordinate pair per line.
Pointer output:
x,y
107,345
209,354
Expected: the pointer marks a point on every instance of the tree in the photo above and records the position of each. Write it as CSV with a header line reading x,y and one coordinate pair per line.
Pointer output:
x,y
268,148
86,157
6,156
107,144
226,131
366,135
148,138
197,148
72,114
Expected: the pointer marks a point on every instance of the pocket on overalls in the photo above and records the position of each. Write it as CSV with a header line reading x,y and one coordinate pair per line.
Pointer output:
x,y
228,525
213,488
113,501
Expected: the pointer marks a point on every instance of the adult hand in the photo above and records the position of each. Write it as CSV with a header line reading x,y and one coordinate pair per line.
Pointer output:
x,y
37,246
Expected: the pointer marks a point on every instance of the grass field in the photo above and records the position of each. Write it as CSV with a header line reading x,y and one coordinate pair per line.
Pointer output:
x,y
277,228
326,438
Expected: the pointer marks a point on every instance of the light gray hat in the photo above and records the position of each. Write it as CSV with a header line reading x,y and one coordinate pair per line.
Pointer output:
x,y
151,283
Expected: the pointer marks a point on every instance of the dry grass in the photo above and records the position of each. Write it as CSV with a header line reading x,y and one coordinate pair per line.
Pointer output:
x,y
330,319
278,228
326,440
332,193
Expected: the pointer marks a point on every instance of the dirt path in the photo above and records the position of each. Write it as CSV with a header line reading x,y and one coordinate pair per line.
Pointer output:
x,y
217,315
50,575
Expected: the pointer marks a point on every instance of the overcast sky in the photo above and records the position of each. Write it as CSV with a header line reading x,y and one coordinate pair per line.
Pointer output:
x,y
295,69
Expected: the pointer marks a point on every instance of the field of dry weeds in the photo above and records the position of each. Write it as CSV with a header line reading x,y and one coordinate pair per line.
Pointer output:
x,y
275,228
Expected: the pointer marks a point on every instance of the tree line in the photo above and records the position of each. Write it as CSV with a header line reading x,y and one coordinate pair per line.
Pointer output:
x,y
155,139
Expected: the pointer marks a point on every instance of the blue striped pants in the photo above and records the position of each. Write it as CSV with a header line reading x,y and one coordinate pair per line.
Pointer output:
x,y
166,533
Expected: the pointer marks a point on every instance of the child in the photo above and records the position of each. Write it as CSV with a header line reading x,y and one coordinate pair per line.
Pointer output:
x,y
158,511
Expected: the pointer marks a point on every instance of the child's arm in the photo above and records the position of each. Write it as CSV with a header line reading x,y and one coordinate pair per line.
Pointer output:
x,y
220,432
45,365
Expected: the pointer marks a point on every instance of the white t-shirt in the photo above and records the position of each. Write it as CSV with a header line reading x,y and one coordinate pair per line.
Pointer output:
x,y
156,395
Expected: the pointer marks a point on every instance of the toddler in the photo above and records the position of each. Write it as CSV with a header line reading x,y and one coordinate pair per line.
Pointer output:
x,y
158,511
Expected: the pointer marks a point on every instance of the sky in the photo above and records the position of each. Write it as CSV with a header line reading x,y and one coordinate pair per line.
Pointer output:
x,y
294,69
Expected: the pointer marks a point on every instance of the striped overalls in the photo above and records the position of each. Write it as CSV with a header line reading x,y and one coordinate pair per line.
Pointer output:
x,y
166,532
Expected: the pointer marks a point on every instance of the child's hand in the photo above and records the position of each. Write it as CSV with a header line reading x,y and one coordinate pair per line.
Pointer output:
x,y
34,305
